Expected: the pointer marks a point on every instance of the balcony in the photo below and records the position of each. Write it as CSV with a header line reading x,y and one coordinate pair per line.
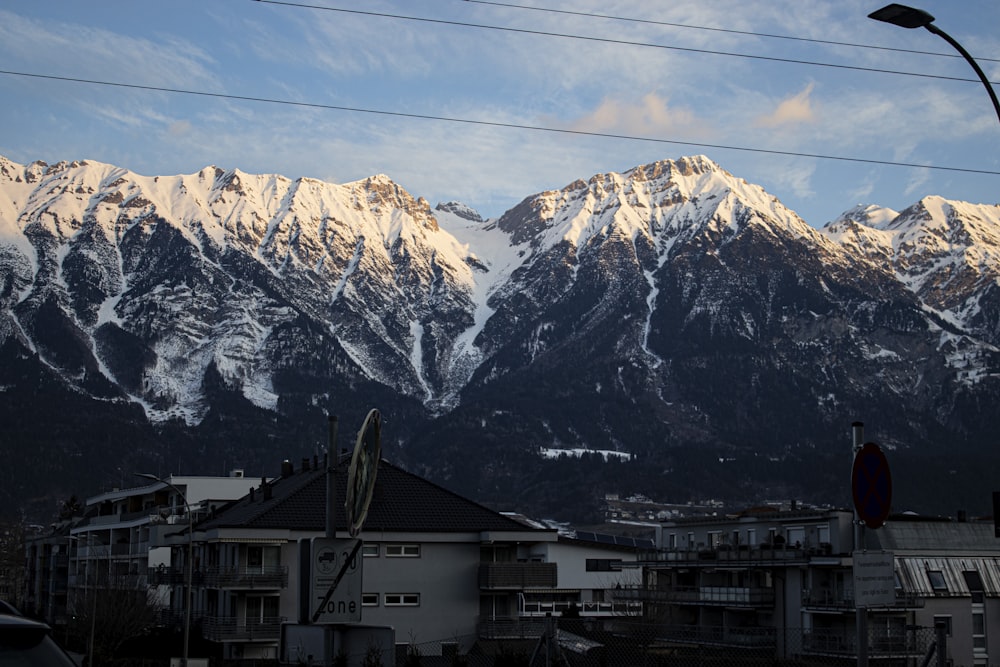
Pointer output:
x,y
826,599
517,576
722,596
511,628
742,637
632,608
836,642
166,576
728,556
228,629
267,576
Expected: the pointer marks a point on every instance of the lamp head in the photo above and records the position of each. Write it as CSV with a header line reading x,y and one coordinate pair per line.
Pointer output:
x,y
903,16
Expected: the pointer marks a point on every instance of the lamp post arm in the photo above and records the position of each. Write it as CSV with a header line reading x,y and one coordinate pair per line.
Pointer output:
x,y
965,54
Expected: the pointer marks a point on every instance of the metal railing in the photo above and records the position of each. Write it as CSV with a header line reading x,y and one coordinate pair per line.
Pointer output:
x,y
265,576
741,637
843,600
517,575
221,628
730,596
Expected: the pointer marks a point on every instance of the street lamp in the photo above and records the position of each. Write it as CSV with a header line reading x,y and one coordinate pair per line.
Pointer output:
x,y
910,17
190,556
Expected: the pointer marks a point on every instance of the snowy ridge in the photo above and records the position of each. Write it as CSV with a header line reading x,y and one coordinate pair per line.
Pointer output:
x,y
168,280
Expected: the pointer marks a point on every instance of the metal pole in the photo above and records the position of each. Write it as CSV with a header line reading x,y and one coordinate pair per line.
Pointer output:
x,y
331,489
93,601
190,560
965,54
329,632
860,613
941,631
190,580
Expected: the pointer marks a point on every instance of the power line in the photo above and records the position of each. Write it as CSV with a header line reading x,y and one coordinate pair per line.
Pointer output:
x,y
726,30
488,123
608,40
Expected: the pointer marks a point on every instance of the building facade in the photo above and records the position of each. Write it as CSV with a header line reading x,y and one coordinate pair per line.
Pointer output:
x,y
783,583
117,539
439,569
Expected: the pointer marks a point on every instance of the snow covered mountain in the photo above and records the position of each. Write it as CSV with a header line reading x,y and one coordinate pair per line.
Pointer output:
x,y
673,311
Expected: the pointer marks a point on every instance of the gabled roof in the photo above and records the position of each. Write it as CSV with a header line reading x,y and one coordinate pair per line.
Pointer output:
x,y
402,502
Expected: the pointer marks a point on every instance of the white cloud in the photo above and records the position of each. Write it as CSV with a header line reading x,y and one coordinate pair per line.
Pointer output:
x,y
791,111
651,117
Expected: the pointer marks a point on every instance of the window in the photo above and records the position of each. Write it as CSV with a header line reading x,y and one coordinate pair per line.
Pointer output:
x,y
402,551
604,564
978,630
402,599
369,599
751,536
975,584
672,541
369,550
936,577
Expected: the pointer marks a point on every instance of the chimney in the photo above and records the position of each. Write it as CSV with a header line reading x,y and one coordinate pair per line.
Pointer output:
x,y
265,488
252,490
286,469
305,464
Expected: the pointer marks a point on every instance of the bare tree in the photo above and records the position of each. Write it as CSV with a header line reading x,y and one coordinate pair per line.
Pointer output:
x,y
12,536
111,611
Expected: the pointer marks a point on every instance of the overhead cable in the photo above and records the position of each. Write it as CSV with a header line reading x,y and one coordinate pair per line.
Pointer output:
x,y
488,123
608,40
726,30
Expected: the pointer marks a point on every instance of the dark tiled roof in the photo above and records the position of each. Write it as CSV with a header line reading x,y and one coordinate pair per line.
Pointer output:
x,y
402,502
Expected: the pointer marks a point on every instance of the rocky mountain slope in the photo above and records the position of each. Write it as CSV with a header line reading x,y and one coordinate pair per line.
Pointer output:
x,y
673,312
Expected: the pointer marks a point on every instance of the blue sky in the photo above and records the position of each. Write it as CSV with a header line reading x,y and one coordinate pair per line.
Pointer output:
x,y
633,78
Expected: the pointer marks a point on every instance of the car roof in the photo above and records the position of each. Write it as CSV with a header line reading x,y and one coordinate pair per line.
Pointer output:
x,y
10,621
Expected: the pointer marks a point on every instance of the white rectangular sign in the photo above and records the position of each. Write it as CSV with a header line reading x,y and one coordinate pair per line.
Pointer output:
x,y
335,580
874,579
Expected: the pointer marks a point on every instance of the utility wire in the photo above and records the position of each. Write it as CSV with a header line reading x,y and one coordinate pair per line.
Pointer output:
x,y
608,40
488,123
726,30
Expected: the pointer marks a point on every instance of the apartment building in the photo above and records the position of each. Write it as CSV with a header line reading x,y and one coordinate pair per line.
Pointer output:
x,y
118,538
782,583
439,569
442,571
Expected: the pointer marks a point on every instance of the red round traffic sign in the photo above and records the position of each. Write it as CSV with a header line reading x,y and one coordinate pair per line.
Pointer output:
x,y
871,485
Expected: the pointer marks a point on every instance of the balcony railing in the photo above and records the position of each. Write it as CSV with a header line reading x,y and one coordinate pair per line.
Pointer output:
x,y
511,628
267,576
631,608
743,637
220,628
839,643
517,576
729,596
739,555
166,576
827,599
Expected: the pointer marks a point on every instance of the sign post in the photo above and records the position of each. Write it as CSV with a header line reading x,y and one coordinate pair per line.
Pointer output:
x,y
871,485
874,579
336,580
